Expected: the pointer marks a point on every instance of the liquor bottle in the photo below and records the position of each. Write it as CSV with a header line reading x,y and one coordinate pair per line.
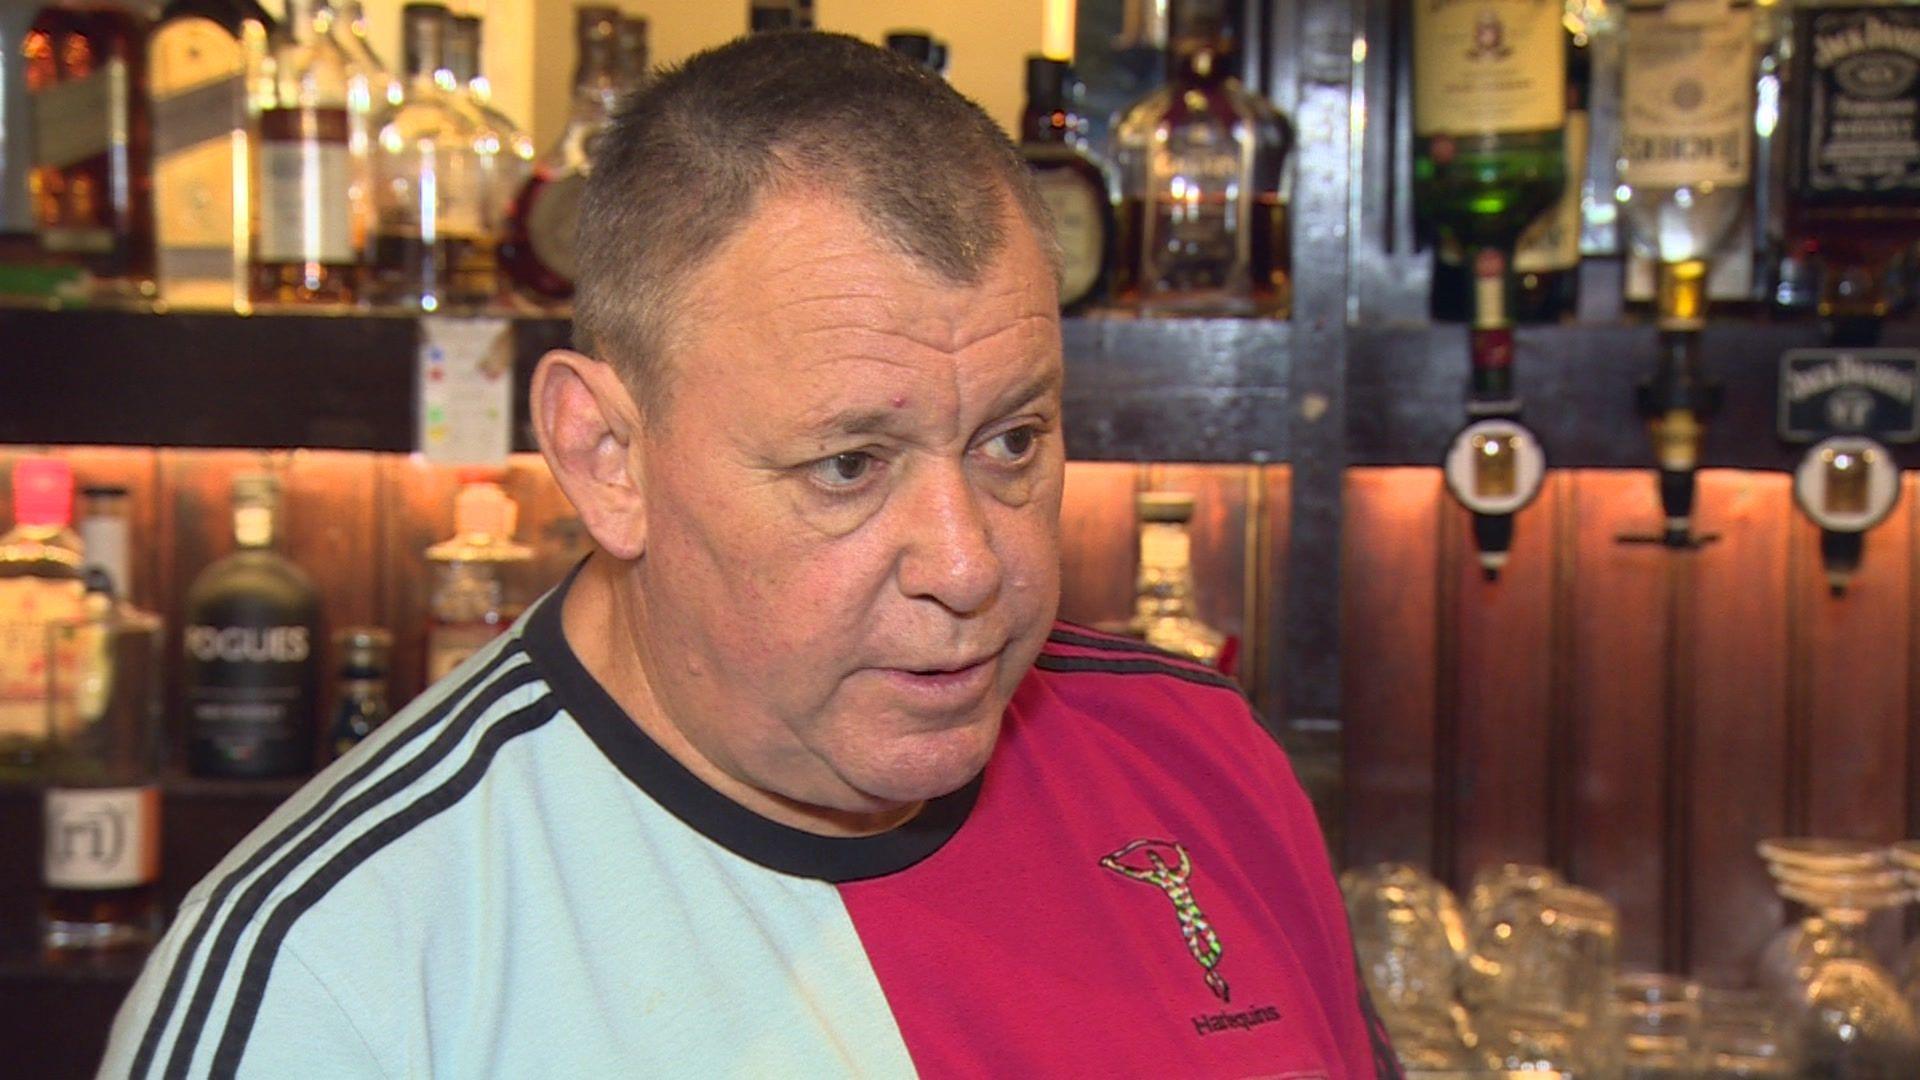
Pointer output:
x,y
538,250
362,695
920,47
252,621
1489,108
1203,215
1546,263
303,251
431,246
506,153
767,16
803,14
106,536
93,155
1853,175
101,803
636,55
18,243
1686,140
40,586
201,60
1685,158
370,88
1163,605
1074,187
470,606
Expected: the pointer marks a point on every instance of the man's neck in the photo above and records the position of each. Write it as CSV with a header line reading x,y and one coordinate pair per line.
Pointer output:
x,y
604,626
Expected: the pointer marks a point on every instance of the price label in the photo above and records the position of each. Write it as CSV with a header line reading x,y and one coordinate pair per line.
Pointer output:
x,y
465,390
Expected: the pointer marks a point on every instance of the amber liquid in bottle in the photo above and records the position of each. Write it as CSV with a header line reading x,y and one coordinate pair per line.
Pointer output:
x,y
458,269
304,252
1269,254
92,171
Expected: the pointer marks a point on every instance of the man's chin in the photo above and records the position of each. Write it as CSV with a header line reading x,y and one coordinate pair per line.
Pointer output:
x,y
923,767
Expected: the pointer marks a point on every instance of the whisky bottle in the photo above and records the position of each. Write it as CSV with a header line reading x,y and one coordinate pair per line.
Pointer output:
x,y
920,47
201,60
1853,175
1489,111
92,175
1074,187
18,243
1546,263
506,153
370,87
252,621
362,687
636,55
40,586
106,536
469,605
1163,607
767,16
303,252
1203,214
431,245
539,251
101,803
1685,142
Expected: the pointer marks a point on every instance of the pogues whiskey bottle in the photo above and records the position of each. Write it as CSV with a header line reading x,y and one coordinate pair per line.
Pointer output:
x,y
200,61
1490,103
304,251
101,805
250,641
1203,211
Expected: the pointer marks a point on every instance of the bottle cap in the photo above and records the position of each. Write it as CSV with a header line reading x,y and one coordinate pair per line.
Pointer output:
x,y
364,648
42,492
484,518
1172,507
1047,82
915,45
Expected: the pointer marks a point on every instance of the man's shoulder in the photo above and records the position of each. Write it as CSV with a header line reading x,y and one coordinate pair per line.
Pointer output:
x,y
1082,664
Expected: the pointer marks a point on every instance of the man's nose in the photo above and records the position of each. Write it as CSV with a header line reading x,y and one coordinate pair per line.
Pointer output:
x,y
949,556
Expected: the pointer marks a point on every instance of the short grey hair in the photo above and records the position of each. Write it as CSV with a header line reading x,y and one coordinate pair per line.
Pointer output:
x,y
689,157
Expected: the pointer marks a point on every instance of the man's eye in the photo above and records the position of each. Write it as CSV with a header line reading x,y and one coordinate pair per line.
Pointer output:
x,y
843,470
1012,446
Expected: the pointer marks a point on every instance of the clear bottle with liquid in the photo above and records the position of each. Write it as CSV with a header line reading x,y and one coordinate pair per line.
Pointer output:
x,y
1163,604
40,587
303,246
362,687
506,152
470,605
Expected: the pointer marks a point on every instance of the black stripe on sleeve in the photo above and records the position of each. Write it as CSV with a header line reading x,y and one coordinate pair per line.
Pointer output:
x,y
1126,647
1136,666
259,964
234,923
176,978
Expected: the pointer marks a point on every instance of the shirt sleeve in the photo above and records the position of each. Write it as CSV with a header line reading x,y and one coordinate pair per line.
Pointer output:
x,y
301,1030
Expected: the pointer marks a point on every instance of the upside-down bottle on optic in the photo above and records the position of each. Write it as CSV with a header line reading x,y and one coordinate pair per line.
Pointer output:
x,y
251,650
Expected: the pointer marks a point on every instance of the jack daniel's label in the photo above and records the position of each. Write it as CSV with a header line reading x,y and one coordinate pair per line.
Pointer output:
x,y
1850,392
1857,104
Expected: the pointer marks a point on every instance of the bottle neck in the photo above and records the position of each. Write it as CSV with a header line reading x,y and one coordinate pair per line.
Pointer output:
x,y
253,527
1046,122
1681,295
426,52
1201,55
1164,587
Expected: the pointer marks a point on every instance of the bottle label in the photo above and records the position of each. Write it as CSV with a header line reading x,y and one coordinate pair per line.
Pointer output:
x,y
306,176
1080,226
551,217
1488,67
197,76
33,659
249,644
1553,242
1687,115
77,119
1859,101
102,838
1166,548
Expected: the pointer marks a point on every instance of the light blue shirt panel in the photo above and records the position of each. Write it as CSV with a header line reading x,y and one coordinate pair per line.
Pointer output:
x,y
557,899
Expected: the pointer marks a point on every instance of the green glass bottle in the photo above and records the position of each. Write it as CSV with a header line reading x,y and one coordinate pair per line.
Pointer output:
x,y
1490,107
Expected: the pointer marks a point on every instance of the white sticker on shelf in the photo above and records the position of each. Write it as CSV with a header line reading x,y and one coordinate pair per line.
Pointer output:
x,y
465,379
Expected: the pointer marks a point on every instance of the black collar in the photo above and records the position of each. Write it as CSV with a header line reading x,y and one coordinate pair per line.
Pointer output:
x,y
711,814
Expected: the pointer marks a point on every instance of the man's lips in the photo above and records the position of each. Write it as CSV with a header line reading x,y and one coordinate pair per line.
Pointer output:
x,y
957,680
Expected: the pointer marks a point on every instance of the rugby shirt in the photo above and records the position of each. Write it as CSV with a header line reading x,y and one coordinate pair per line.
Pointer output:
x,y
511,879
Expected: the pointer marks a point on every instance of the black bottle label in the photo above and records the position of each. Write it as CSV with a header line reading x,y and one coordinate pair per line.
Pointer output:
x,y
1858,103
250,698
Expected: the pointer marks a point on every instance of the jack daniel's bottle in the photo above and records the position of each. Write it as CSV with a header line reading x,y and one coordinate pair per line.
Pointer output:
x,y
251,637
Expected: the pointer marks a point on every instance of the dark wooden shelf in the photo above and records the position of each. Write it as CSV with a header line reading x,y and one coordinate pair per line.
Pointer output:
x,y
1184,390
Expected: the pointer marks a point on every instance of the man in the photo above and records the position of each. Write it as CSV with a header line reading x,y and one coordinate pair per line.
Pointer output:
x,y
795,776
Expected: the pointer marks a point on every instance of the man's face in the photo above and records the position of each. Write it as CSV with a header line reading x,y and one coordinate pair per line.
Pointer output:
x,y
853,498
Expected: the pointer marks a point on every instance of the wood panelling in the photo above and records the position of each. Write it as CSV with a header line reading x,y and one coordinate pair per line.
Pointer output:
x,y
1098,537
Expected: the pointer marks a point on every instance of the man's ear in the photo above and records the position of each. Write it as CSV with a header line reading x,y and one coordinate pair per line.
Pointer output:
x,y
588,423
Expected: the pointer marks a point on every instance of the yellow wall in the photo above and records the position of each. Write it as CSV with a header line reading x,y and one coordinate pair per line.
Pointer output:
x,y
529,43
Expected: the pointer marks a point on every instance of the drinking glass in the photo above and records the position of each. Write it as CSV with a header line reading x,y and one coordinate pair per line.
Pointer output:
x,y
1411,939
1743,1036
1659,1019
1549,1008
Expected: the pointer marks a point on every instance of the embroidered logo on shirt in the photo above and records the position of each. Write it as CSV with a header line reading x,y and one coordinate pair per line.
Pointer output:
x,y
1146,860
